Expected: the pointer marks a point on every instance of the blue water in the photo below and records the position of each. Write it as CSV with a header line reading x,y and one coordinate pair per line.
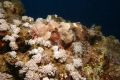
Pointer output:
x,y
100,12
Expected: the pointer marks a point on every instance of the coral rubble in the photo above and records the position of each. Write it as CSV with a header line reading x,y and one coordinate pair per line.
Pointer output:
x,y
53,49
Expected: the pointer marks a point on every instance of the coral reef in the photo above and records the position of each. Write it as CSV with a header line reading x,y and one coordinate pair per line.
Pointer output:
x,y
13,7
53,49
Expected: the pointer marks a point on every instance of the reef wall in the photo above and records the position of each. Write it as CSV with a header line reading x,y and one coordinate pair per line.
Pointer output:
x,y
53,49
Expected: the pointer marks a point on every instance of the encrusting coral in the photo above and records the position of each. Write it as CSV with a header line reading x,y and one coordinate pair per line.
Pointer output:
x,y
53,49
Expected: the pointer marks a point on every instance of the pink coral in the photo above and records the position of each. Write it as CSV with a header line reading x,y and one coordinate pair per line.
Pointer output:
x,y
39,30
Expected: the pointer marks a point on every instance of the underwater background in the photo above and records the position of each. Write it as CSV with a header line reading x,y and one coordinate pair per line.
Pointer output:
x,y
105,13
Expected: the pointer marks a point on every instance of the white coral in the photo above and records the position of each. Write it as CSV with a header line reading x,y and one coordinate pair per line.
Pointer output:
x,y
45,78
40,41
65,34
12,40
16,30
15,36
74,24
3,25
37,51
76,76
36,58
7,37
31,75
26,24
40,50
66,26
8,4
70,67
47,70
19,63
34,51
12,54
55,48
47,44
77,62
47,35
57,55
60,55
5,76
23,70
31,65
31,19
39,20
26,18
2,13
77,47
30,42
53,24
48,18
12,26
13,45
17,22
